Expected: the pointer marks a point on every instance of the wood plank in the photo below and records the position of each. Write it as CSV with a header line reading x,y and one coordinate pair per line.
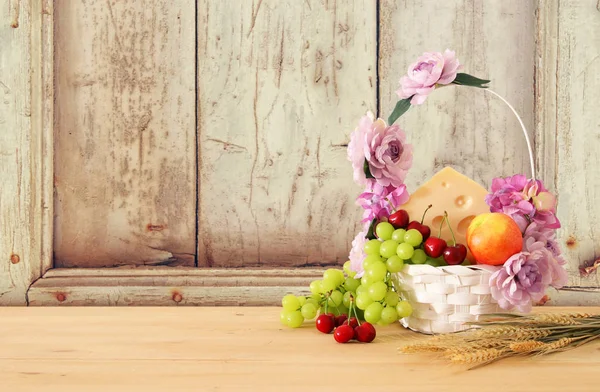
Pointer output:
x,y
23,140
243,349
182,271
125,133
568,126
282,85
458,126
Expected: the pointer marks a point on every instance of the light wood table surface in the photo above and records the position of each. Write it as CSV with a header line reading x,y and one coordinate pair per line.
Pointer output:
x,y
245,349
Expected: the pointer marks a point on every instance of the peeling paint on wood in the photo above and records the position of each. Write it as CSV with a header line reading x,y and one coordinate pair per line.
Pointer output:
x,y
280,84
125,133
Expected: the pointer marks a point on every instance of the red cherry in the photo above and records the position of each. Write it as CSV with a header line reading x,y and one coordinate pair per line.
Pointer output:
x,y
421,228
365,332
343,334
341,319
454,255
325,323
434,247
399,219
353,322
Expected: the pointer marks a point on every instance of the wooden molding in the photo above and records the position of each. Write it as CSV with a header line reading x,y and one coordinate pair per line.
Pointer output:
x,y
169,286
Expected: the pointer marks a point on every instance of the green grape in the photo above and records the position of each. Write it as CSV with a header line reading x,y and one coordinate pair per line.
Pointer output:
x,y
312,301
315,297
384,230
315,287
419,257
342,309
360,314
347,299
376,273
295,319
405,251
335,298
309,311
283,317
348,269
391,298
362,289
377,291
366,280
389,314
363,300
398,235
373,312
404,309
372,247
388,248
370,260
302,300
335,275
413,237
394,264
328,285
351,284
290,303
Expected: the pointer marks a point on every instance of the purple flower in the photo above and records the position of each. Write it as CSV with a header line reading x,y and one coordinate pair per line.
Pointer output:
x,y
543,239
383,149
380,201
431,69
522,280
357,254
524,200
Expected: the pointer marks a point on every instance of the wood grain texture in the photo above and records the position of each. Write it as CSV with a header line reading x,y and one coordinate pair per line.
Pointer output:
x,y
458,126
166,286
282,85
245,349
568,125
125,146
21,150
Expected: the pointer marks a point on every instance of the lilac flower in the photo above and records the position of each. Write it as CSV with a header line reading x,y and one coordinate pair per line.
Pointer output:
x,y
522,280
380,201
383,149
543,239
357,254
524,200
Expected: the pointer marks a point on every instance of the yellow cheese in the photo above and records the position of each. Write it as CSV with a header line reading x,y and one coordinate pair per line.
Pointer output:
x,y
450,191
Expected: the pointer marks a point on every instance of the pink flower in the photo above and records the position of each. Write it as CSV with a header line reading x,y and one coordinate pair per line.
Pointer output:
x,y
382,149
357,254
429,70
524,200
540,238
522,280
380,201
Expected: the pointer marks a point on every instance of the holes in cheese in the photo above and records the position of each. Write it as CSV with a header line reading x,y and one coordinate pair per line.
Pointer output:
x,y
448,190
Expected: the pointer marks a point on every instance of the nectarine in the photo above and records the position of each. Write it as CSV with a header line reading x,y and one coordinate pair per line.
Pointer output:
x,y
494,237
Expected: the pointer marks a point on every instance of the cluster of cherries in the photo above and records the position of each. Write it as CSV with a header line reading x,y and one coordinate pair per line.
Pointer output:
x,y
433,246
345,329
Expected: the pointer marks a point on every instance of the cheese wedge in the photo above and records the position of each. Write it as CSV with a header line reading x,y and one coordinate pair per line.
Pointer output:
x,y
450,191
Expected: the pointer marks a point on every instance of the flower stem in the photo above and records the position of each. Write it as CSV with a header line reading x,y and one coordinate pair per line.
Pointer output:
x,y
451,231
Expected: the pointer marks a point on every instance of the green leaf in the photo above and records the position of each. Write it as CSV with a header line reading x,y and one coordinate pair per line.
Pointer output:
x,y
401,107
367,170
371,232
468,80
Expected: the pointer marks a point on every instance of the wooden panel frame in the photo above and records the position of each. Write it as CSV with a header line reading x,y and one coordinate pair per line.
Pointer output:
x,y
164,286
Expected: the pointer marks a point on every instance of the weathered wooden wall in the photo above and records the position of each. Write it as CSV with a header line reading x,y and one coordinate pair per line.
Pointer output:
x,y
125,142
281,85
568,125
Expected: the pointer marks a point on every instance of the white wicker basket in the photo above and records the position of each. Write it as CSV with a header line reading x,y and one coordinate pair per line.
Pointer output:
x,y
444,298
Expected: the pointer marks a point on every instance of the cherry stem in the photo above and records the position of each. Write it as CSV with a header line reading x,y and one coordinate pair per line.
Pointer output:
x,y
423,217
441,225
450,227
353,307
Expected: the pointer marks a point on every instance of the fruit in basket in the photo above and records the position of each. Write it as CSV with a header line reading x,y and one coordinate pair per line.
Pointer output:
x,y
434,247
365,332
419,226
405,251
399,219
388,248
494,237
454,255
413,237
419,257
384,230
398,235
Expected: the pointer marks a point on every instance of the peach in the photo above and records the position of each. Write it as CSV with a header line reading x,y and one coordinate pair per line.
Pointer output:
x,y
493,237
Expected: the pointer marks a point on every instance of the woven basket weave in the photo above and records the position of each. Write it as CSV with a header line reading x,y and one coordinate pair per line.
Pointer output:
x,y
444,298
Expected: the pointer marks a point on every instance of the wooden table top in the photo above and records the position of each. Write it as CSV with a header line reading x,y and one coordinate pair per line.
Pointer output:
x,y
244,349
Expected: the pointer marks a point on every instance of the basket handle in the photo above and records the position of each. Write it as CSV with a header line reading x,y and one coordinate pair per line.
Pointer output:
x,y
529,149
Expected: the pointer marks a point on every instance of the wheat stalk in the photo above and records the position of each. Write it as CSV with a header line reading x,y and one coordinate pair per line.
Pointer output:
x,y
526,346
477,356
